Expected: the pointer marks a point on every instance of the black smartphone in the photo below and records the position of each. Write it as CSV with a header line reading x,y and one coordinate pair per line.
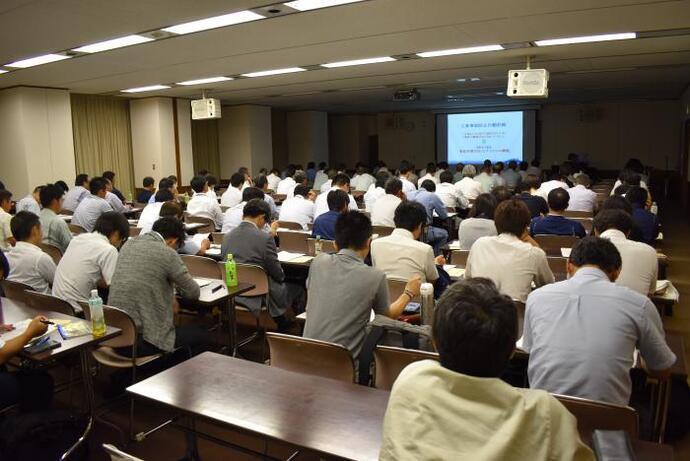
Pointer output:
x,y
42,347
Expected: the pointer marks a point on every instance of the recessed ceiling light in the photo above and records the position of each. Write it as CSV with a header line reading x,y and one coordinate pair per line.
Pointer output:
x,y
306,5
462,80
499,93
586,39
3,71
214,22
142,89
475,79
201,81
264,73
358,62
471,49
114,43
38,60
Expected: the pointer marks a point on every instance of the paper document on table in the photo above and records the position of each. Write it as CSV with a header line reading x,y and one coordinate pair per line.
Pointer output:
x,y
198,238
518,343
202,282
454,245
302,259
666,291
213,251
284,256
661,286
454,271
565,252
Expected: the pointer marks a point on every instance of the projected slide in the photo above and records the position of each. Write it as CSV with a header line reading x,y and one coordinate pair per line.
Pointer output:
x,y
473,138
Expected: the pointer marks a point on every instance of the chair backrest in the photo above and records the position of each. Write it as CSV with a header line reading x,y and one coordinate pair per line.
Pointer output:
x,y
115,317
555,242
312,357
67,212
217,238
578,214
382,231
390,362
587,223
593,414
134,231
201,266
49,303
253,274
327,246
558,265
459,257
118,455
210,224
396,287
15,291
52,251
293,241
290,225
76,229
520,309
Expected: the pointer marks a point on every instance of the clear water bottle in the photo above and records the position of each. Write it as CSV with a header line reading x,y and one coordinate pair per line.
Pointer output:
x,y
427,293
231,272
318,246
96,310
654,208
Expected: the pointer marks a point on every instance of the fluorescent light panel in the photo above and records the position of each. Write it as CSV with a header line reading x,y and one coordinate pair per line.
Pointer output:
x,y
306,5
358,62
264,73
37,61
472,49
114,43
214,22
586,39
3,71
142,89
201,81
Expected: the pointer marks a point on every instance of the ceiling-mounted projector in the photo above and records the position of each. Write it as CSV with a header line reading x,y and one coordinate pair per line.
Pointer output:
x,y
407,95
528,83
206,108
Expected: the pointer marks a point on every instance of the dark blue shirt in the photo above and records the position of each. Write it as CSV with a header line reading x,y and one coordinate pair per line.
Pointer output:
x,y
647,223
144,196
324,225
556,225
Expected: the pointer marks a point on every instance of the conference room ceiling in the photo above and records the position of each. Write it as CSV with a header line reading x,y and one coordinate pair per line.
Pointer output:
x,y
643,68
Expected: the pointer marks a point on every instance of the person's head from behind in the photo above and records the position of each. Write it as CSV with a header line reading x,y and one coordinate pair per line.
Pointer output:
x,y
583,180
512,217
595,252
199,184
484,207
617,202
51,197
629,177
382,177
172,230
173,179
311,165
211,181
428,185
322,166
5,200
164,195
338,201
108,185
244,171
236,180
637,196
431,168
172,209
469,171
498,167
635,165
530,184
502,193
342,182
404,168
442,165
250,193
110,176
258,212
98,186
290,171
165,184
203,172
82,180
261,182
394,187
488,166
26,227
149,183
558,200
353,232
36,194
512,165
411,216
62,185
114,226
300,177
459,167
523,166
475,328
612,219
303,191
446,177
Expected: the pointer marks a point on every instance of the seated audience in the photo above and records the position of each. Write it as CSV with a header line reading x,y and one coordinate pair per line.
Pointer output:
x,y
191,246
640,263
152,211
147,273
501,194
558,180
112,199
340,181
523,170
527,192
321,176
55,229
485,178
646,221
300,178
299,208
89,262
92,206
75,195
474,331
449,194
273,179
457,176
628,177
426,195
535,168
377,190
288,184
324,225
28,263
479,222
7,240
511,176
212,183
555,223
617,202
429,173
233,216
326,186
311,172
201,205
233,194
249,244
31,202
63,185
570,325
110,176
168,184
405,172
261,183
512,259
467,185
343,290
440,168
364,179
581,197
497,175
383,210
149,189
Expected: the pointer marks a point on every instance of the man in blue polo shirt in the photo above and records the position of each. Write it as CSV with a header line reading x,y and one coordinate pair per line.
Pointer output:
x,y
324,226
555,223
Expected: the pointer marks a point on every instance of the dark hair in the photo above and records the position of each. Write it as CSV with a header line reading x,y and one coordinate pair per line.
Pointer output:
x,y
512,216
613,219
621,190
165,183
260,181
531,182
431,167
243,170
382,176
301,189
484,206
409,215
404,167
341,179
257,207
171,209
501,193
322,165
290,171
164,195
524,165
637,196
109,175
251,193
173,178
203,172
170,227
299,177
23,223
442,165
5,195
428,185
198,183
393,186
148,181
311,165
596,251
558,199
616,202
512,164
110,222
337,200
583,179
211,180
446,176
81,179
236,179
97,184
50,192
2,185
475,328
352,230
62,185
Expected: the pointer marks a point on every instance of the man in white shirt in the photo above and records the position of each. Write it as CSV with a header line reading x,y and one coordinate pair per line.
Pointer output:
x,y
557,180
405,171
168,184
233,194
92,206
496,175
383,210
429,173
6,238
151,212
233,216
90,260
28,263
202,205
300,178
273,179
299,208
512,259
261,183
581,197
429,400
288,184
640,262
340,181
363,180
321,176
450,196
75,195
485,178
440,168
401,254
468,186
112,199
55,229
376,190
511,176
31,202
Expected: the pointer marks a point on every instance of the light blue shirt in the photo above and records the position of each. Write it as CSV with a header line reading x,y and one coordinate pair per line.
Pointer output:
x,y
73,197
430,201
29,204
581,335
89,210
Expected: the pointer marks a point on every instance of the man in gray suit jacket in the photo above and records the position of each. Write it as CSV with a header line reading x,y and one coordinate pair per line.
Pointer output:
x,y
249,244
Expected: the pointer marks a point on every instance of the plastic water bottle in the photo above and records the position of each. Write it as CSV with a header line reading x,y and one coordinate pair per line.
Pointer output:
x,y
231,272
318,248
427,293
97,319
654,208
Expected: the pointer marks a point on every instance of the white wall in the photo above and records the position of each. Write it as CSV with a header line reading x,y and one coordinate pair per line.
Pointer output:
x,y
36,143
184,133
153,138
307,136
244,139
